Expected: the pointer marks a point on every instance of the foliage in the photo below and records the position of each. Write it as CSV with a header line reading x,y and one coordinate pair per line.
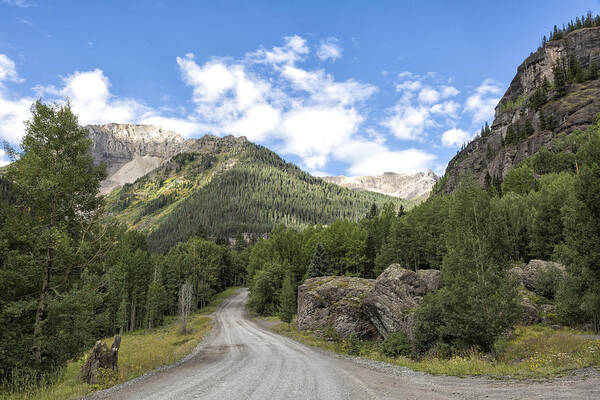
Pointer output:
x,y
396,344
519,180
287,300
319,265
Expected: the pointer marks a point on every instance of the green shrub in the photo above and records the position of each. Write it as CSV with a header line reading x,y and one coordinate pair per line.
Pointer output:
x,y
353,345
547,282
396,344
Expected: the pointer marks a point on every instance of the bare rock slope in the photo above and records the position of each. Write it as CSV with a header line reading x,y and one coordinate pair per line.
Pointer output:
x,y
404,186
494,155
131,151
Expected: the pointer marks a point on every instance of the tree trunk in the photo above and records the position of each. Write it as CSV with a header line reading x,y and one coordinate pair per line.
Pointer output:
x,y
132,322
40,313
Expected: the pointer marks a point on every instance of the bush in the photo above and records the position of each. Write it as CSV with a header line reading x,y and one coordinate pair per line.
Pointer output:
x,y
353,345
547,282
395,345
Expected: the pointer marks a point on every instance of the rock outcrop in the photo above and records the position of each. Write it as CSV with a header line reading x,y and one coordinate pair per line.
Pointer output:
x,y
131,151
576,110
365,307
335,302
396,294
404,186
533,310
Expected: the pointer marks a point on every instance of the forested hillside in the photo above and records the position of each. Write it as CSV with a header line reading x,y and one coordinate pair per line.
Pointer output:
x,y
248,189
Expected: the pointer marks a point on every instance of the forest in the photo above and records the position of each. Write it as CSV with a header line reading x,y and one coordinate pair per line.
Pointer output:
x,y
68,278
548,208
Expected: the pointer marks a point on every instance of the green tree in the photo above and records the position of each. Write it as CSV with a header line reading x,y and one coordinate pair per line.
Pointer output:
x,y
519,180
287,300
478,300
56,181
319,266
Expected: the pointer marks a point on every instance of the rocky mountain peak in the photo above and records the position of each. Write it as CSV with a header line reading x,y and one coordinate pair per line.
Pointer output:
x,y
405,186
137,132
130,151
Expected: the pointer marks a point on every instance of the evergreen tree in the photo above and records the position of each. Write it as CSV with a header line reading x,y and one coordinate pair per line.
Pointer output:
x,y
560,79
56,180
319,266
287,300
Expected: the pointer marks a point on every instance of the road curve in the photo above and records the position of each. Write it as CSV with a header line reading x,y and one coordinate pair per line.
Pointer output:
x,y
242,360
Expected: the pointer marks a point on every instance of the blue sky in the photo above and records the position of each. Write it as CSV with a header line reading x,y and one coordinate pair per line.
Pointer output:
x,y
338,87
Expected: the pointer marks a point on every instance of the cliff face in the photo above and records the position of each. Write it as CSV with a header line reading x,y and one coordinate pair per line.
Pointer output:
x,y
404,186
131,151
493,154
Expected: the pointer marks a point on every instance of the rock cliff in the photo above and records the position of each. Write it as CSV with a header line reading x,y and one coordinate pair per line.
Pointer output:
x,y
404,186
494,154
131,151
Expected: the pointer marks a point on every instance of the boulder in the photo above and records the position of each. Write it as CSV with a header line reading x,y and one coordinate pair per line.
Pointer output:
x,y
532,271
100,357
531,313
335,302
395,295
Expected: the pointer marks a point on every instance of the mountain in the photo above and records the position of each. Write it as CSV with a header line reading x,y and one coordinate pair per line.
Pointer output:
x,y
554,92
131,151
172,188
404,186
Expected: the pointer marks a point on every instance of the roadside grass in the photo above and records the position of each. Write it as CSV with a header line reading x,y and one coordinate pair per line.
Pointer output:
x,y
533,352
141,351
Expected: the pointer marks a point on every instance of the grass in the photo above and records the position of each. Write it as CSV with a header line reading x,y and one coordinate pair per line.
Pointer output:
x,y
533,352
141,351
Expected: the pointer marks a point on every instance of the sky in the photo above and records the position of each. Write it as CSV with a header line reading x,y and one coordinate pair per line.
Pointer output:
x,y
337,87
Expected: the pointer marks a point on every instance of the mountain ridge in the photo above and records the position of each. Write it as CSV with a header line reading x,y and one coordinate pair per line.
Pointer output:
x,y
404,186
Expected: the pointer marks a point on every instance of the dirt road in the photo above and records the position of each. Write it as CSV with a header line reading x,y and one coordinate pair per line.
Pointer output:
x,y
241,360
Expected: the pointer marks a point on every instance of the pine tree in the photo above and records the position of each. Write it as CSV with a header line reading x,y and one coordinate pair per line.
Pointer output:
x,y
319,266
287,300
560,79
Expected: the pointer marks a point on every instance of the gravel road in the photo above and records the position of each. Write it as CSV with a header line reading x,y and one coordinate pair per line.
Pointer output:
x,y
242,360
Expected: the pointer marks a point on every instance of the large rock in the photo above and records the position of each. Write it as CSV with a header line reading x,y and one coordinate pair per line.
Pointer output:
x,y
535,268
396,294
364,307
335,302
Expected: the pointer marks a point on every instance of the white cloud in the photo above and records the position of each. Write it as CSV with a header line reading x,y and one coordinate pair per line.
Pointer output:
x,y
368,158
13,111
482,103
267,97
8,71
19,3
428,95
329,49
449,91
408,122
454,137
293,50
3,158
411,86
448,108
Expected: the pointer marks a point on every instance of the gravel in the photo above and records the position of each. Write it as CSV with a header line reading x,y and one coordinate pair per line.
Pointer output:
x,y
242,360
